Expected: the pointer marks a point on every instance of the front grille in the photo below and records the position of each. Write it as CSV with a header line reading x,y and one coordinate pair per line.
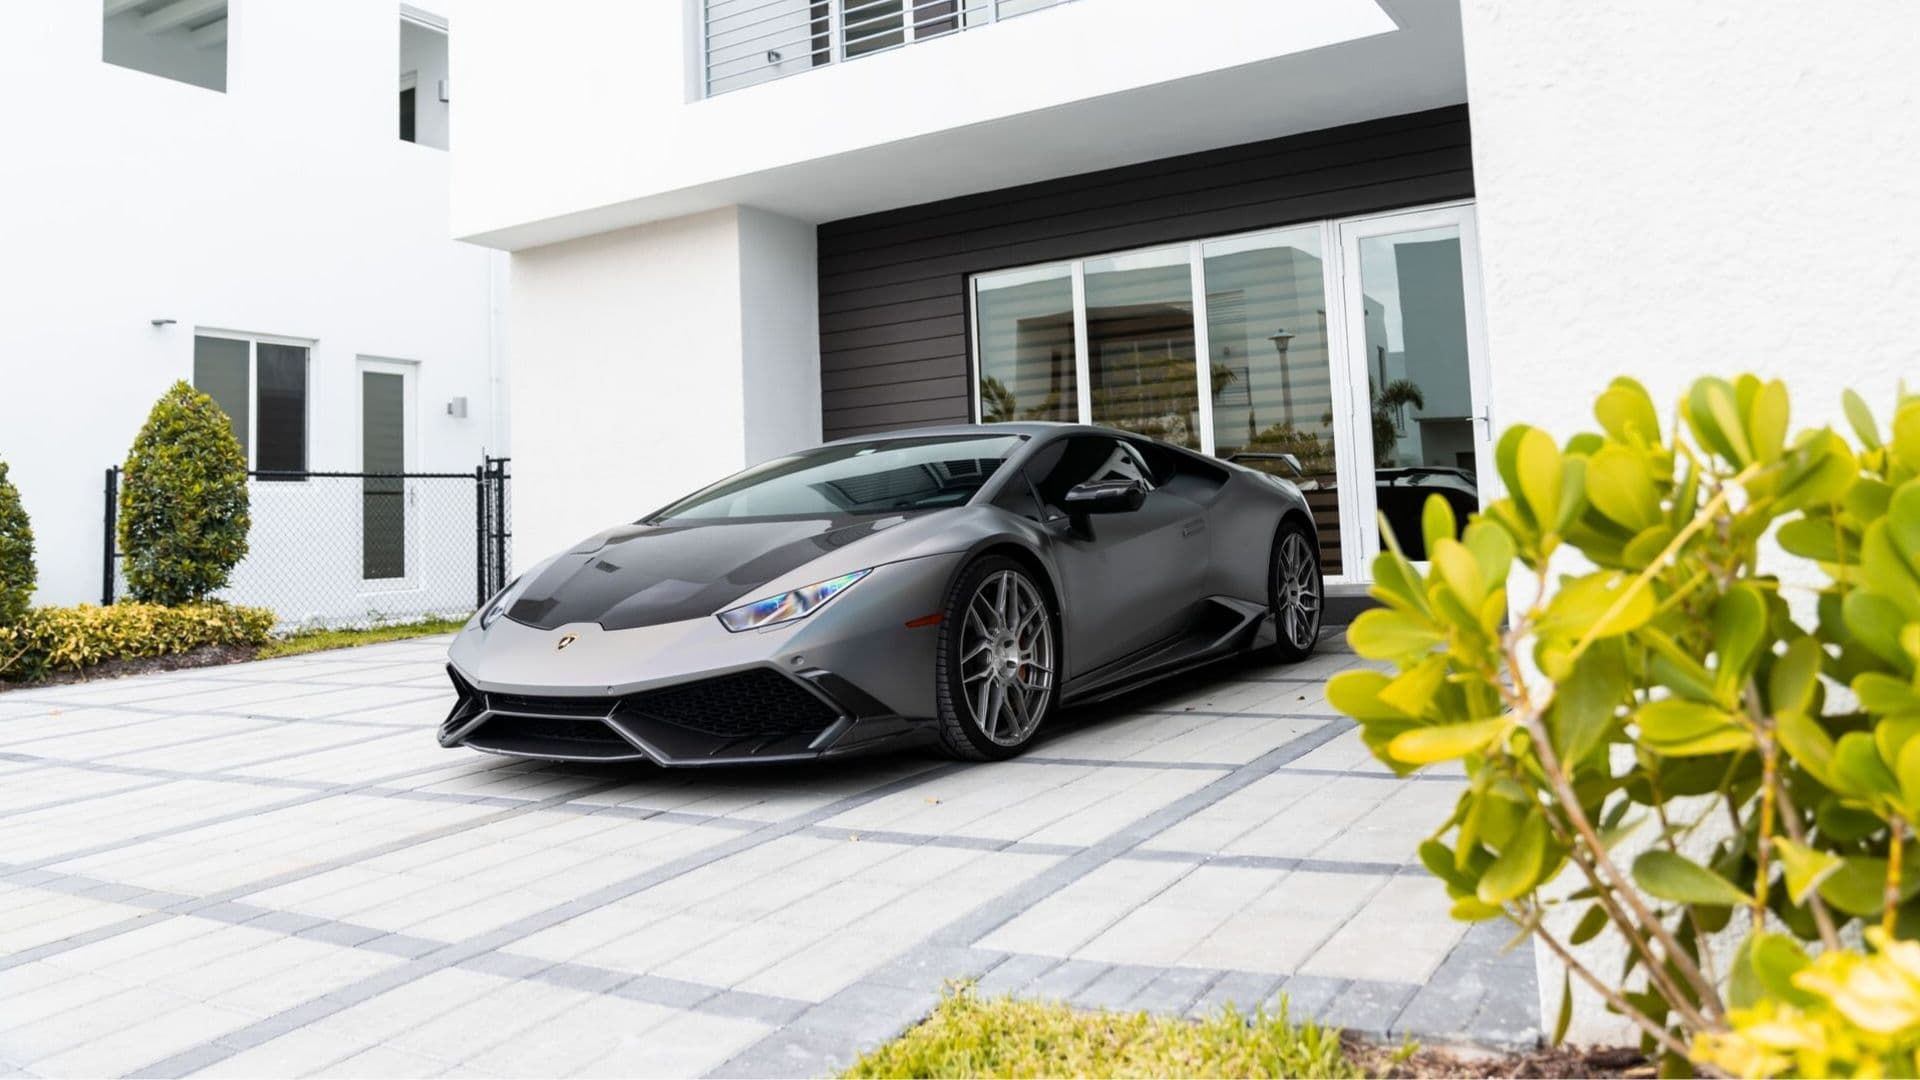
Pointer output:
x,y
595,707
749,703
561,730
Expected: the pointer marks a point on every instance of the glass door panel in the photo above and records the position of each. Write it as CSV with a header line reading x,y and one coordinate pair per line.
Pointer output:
x,y
1273,390
1140,345
1024,334
1414,354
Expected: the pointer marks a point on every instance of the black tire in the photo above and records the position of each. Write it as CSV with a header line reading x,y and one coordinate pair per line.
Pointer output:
x,y
1294,585
962,669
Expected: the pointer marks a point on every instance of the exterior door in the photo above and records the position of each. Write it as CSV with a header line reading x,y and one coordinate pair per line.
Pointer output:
x,y
386,500
1416,373
1133,581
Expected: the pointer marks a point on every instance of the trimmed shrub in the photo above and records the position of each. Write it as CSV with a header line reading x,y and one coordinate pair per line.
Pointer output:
x,y
74,638
16,553
183,501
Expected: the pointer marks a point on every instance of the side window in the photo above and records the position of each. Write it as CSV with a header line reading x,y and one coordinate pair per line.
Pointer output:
x,y
1083,458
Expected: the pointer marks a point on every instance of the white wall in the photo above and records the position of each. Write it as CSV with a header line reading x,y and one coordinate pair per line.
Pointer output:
x,y
587,118
651,361
1668,190
286,205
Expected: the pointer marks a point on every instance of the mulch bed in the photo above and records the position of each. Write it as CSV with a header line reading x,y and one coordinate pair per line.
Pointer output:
x,y
205,656
1547,1062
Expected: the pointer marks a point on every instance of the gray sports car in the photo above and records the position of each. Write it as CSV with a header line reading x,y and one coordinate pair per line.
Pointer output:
x,y
949,585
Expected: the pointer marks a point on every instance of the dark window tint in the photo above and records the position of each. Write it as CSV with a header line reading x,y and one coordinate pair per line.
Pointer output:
x,y
282,419
383,506
1084,458
406,114
880,476
220,372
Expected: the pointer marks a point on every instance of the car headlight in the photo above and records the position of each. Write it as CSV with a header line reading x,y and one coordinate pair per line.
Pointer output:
x,y
788,606
498,607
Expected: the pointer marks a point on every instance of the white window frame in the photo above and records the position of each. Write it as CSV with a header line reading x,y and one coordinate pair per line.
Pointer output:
x,y
1339,250
254,341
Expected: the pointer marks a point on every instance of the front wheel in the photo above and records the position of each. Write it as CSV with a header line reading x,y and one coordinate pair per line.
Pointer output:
x,y
996,661
1296,593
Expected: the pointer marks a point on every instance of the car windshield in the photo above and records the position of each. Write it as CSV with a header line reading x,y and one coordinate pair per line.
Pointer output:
x,y
880,476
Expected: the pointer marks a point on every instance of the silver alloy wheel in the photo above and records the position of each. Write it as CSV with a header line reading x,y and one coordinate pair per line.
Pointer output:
x,y
1006,658
1297,590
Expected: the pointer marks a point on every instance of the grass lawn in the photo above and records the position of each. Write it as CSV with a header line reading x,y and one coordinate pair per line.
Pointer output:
x,y
307,641
971,1036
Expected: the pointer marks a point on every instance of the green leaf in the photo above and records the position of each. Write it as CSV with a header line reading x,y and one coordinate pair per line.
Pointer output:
x,y
1807,743
1764,968
1538,475
1384,634
1739,627
1858,771
1586,701
1665,875
1357,694
1766,420
1591,923
1805,867
1436,521
1881,693
1444,742
1397,583
1565,1016
1414,690
1626,411
1456,566
1677,727
1861,418
1518,868
1858,887
1822,539
1586,605
1492,547
1620,486
1906,435
1714,416
1795,675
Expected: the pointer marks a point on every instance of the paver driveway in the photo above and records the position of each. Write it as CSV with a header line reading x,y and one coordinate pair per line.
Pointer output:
x,y
272,868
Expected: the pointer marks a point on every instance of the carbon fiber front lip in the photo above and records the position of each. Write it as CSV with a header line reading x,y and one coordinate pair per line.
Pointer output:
x,y
860,724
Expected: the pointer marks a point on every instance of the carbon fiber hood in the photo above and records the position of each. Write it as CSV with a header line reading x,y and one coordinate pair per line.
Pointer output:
x,y
644,575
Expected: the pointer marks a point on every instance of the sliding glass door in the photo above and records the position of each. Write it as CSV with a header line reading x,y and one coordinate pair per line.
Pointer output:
x,y
1350,347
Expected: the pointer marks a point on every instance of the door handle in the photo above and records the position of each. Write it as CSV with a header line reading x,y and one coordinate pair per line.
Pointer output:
x,y
1194,526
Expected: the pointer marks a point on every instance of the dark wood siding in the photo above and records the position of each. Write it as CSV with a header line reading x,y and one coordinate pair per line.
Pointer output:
x,y
893,310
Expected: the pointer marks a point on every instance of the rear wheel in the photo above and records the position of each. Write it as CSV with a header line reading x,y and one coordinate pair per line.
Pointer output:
x,y
1296,593
996,670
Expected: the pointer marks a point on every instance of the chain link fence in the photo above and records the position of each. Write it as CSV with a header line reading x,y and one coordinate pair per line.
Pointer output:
x,y
338,549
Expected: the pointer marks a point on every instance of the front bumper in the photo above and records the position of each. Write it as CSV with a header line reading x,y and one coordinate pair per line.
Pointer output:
x,y
853,677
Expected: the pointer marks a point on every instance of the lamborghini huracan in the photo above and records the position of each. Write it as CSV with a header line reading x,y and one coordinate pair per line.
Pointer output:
x,y
947,586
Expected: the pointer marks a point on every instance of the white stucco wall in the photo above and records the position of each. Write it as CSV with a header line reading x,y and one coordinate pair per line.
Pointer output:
x,y
1669,190
285,206
651,361
590,118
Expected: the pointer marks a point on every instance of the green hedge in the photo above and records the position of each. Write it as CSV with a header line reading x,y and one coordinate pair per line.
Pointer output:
x,y
16,555
51,639
183,501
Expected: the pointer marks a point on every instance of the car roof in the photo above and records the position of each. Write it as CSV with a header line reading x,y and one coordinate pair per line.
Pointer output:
x,y
1012,427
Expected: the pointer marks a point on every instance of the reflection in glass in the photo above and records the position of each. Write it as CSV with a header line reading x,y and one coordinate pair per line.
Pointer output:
x,y
1272,387
1418,379
1140,345
1025,334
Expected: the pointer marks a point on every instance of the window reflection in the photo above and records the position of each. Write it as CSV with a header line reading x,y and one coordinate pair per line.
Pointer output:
x,y
1025,335
1418,383
1272,391
1140,345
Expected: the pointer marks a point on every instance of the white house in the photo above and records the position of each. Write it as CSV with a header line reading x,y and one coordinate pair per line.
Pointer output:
x,y
740,226
252,196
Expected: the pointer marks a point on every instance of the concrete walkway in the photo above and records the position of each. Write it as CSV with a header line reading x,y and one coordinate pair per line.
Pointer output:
x,y
272,869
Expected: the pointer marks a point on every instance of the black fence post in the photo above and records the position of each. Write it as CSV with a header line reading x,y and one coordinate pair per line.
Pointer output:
x,y
499,466
479,537
107,544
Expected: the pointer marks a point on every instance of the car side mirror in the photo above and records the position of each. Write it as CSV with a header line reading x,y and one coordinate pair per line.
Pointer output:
x,y
1105,497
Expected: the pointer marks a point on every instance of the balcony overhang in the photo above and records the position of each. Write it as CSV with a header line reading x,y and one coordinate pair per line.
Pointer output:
x,y
956,115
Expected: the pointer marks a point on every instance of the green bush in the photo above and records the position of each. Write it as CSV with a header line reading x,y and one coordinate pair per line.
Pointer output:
x,y
74,638
183,501
16,554
968,1035
1666,686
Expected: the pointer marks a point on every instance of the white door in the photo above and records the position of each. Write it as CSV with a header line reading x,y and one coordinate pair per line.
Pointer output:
x,y
1414,354
389,549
